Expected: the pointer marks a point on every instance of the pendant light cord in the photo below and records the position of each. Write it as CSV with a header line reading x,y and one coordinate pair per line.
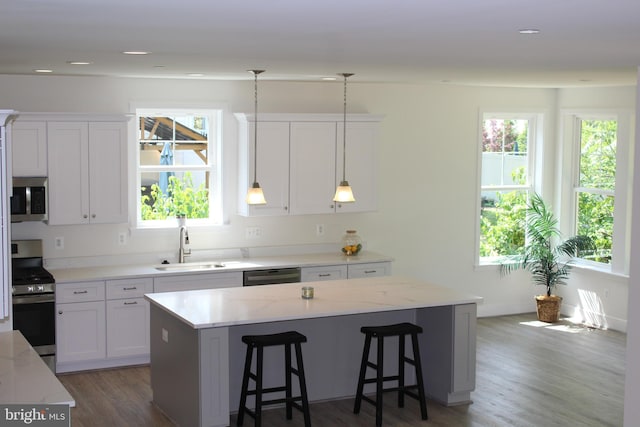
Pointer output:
x,y
344,129
255,124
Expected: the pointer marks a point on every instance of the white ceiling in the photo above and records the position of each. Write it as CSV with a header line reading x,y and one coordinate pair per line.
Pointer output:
x,y
581,42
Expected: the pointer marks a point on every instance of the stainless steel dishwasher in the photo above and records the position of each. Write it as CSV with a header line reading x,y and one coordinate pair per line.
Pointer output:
x,y
271,276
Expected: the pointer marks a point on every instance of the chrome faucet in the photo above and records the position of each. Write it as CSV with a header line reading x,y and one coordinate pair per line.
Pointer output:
x,y
184,250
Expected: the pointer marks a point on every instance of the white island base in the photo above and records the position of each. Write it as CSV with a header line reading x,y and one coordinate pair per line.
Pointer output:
x,y
197,356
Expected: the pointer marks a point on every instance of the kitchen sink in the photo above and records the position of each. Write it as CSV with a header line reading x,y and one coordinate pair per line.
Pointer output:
x,y
208,265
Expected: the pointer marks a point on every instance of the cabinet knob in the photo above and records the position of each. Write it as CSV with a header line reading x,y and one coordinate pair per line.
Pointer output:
x,y
286,208
59,311
85,216
93,215
331,206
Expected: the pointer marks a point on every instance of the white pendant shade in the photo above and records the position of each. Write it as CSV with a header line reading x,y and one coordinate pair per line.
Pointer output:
x,y
344,193
255,196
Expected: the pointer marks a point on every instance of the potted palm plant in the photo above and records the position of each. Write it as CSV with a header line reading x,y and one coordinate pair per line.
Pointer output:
x,y
548,262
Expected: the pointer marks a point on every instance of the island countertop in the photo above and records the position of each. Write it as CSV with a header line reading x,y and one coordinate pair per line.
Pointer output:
x,y
270,303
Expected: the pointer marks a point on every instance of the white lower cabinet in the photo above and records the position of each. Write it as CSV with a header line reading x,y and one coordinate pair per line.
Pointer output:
x,y
190,282
128,317
80,322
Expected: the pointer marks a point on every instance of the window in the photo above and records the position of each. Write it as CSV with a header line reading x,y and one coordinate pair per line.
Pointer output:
x,y
506,167
598,195
178,172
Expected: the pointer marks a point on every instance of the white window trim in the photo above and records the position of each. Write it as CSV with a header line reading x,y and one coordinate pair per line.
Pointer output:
x,y
227,159
534,167
570,166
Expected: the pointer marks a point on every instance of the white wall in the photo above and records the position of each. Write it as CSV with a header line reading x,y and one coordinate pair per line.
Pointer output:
x,y
425,222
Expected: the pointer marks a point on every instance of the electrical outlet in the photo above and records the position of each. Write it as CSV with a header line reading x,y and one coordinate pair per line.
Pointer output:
x,y
59,242
606,292
319,230
122,238
253,232
165,335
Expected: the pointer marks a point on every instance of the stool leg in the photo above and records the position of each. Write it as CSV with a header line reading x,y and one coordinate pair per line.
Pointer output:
x,y
379,380
258,410
401,362
363,371
420,380
287,370
245,386
303,386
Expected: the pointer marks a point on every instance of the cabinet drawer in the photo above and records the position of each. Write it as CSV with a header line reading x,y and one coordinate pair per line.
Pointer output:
x,y
128,288
373,269
79,292
316,274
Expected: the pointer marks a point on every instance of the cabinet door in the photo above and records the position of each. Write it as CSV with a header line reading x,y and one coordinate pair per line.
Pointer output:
x,y
313,171
29,148
189,282
107,172
80,331
362,164
371,269
68,161
127,327
317,274
272,167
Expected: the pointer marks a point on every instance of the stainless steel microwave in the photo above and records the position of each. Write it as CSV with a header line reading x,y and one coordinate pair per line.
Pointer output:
x,y
29,200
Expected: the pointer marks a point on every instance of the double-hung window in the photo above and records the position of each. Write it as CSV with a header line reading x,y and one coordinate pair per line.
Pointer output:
x,y
506,180
178,171
601,185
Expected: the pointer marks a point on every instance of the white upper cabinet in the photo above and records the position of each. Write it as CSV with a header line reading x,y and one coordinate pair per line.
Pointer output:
x,y
313,167
29,148
300,158
87,172
272,166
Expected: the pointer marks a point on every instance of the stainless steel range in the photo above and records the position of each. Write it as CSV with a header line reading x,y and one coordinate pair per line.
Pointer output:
x,y
33,296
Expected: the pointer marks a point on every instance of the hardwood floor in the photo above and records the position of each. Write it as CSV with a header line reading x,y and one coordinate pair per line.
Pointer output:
x,y
528,374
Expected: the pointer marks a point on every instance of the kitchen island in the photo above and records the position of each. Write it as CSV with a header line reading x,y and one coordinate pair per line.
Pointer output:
x,y
197,354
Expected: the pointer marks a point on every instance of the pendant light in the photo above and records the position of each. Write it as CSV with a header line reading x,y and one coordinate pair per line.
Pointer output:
x,y
255,196
344,193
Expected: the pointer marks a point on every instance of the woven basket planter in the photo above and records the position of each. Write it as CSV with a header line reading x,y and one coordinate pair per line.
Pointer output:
x,y
548,308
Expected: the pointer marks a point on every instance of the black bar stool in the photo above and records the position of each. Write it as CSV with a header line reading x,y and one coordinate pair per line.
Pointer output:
x,y
380,332
259,342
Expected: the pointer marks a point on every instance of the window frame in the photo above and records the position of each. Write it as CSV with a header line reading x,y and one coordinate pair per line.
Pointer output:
x,y
571,139
534,165
218,200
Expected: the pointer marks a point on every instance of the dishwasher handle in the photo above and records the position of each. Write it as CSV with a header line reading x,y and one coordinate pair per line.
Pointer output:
x,y
271,276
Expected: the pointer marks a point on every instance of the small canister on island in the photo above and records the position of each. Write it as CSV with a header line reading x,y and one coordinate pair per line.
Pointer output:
x,y
351,243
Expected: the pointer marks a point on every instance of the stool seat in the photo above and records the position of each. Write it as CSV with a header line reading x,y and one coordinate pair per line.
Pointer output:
x,y
405,328
282,338
399,330
259,342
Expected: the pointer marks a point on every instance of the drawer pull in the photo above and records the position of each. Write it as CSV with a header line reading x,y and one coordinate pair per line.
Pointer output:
x,y
130,303
370,271
324,275
80,292
133,288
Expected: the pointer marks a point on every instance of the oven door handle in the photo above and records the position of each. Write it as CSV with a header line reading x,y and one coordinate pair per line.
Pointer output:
x,y
33,299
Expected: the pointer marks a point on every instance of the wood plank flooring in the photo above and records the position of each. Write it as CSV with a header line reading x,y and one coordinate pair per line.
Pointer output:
x,y
528,375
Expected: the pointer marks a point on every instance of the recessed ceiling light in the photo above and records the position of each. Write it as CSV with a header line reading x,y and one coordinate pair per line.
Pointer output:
x,y
79,63
43,70
195,75
529,31
136,52
329,78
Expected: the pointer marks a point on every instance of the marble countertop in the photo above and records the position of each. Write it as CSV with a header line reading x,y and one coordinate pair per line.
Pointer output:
x,y
24,377
64,275
270,303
